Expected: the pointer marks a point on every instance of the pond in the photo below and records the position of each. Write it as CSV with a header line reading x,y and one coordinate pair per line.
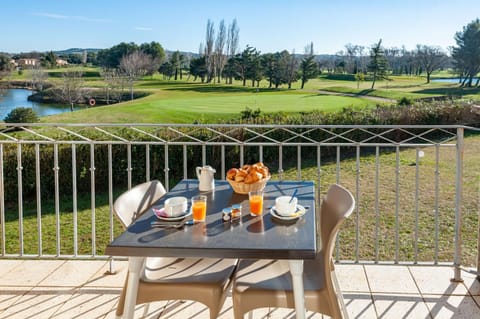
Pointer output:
x,y
450,80
13,98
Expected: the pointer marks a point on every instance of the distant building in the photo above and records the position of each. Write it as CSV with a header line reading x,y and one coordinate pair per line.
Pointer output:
x,y
61,62
25,63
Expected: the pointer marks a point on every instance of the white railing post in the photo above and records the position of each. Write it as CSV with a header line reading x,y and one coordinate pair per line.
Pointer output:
x,y
457,277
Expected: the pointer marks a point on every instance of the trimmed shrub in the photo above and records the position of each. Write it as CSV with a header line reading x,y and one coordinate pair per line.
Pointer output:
x,y
405,101
21,115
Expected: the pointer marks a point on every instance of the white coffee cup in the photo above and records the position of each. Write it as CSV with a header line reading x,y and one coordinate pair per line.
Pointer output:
x,y
285,207
175,206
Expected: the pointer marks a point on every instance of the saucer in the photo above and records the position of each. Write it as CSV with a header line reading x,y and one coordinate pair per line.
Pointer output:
x,y
298,213
160,213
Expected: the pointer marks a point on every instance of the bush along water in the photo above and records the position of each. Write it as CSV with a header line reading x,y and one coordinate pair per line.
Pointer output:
x,y
21,115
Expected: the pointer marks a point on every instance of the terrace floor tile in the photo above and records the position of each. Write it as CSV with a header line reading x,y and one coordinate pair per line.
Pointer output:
x,y
390,279
458,307
30,272
392,305
436,280
53,289
37,303
73,273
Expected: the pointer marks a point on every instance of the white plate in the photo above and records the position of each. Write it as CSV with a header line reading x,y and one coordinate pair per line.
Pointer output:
x,y
158,212
298,213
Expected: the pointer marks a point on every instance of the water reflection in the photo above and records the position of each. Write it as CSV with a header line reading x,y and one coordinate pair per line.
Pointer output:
x,y
13,98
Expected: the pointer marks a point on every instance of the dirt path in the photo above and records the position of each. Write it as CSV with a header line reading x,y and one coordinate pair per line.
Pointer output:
x,y
367,97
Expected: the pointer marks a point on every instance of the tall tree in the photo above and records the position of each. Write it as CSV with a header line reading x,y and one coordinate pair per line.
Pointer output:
x,y
254,69
467,52
351,52
176,62
378,63
430,58
198,68
269,65
5,65
157,54
134,66
243,63
308,66
167,70
209,42
291,72
233,39
110,58
220,57
50,60
279,72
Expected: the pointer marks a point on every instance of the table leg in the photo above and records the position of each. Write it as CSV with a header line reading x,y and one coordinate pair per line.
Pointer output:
x,y
296,270
134,268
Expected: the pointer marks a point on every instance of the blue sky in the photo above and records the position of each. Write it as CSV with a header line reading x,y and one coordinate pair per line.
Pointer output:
x,y
267,25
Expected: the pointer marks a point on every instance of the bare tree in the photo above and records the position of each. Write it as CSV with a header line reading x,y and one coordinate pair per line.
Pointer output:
x,y
220,57
135,65
430,58
114,84
350,58
209,40
232,42
71,90
38,77
292,69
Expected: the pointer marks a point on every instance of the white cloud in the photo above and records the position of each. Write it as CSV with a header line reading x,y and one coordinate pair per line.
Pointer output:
x,y
50,15
66,17
143,28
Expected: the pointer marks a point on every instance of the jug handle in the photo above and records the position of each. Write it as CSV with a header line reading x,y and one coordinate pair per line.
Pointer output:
x,y
198,169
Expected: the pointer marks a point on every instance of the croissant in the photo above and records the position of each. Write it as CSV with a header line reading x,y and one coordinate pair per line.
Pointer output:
x,y
246,167
240,176
259,164
263,171
253,177
232,173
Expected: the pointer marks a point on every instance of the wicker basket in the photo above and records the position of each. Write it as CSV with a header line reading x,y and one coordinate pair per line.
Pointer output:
x,y
242,188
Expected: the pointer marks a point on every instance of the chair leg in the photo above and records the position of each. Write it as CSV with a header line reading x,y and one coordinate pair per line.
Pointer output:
x,y
146,306
338,292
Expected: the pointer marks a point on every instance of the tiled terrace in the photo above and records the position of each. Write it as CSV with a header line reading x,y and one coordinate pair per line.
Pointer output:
x,y
81,289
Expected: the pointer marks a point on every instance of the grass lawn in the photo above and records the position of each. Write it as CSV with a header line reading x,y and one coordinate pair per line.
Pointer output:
x,y
207,103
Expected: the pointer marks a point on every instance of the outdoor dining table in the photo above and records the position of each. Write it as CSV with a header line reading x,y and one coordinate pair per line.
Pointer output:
x,y
248,237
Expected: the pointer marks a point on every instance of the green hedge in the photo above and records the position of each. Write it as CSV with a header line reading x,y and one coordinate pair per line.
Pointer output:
x,y
447,112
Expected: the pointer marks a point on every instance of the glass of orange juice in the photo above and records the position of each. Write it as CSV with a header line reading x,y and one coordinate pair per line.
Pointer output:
x,y
199,208
256,202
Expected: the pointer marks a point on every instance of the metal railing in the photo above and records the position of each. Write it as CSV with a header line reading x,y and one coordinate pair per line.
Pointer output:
x,y
66,176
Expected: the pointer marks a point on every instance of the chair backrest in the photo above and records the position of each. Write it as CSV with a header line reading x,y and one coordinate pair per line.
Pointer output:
x,y
337,205
135,201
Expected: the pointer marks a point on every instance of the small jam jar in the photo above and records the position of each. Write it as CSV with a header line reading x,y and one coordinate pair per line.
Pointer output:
x,y
226,213
236,211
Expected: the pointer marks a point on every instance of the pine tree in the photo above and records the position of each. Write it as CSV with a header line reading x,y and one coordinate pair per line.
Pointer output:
x,y
378,63
467,51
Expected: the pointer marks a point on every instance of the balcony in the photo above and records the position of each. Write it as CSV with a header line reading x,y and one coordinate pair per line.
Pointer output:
x,y
415,226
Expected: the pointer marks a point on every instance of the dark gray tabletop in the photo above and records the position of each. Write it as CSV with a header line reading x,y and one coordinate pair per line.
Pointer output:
x,y
262,237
